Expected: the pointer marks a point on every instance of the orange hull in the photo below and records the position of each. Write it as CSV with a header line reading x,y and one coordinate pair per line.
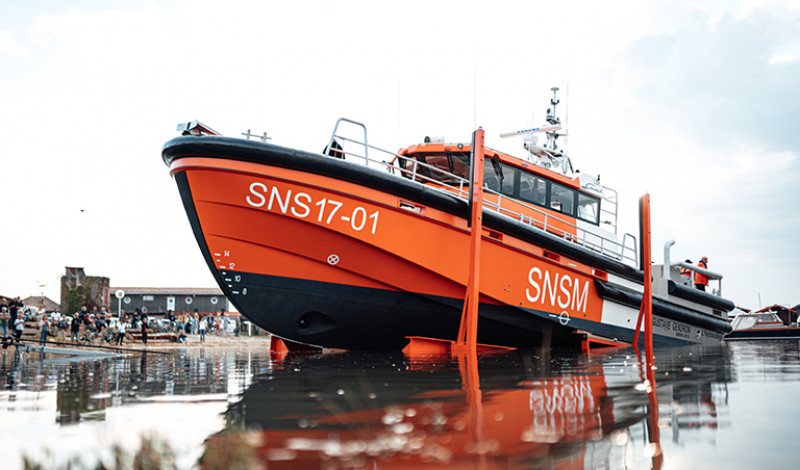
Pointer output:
x,y
346,257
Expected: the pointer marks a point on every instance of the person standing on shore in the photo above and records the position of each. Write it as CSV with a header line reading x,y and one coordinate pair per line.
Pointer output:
x,y
44,328
75,329
203,327
194,318
19,326
13,308
5,318
120,333
61,328
144,331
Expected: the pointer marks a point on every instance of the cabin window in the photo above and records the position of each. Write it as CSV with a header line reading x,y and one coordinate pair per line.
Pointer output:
x,y
562,199
588,208
490,178
533,189
447,162
508,186
438,161
460,164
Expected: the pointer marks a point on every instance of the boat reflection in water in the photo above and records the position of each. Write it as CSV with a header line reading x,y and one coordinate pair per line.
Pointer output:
x,y
517,409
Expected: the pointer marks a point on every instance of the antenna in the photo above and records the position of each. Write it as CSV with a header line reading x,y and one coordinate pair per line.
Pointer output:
x,y
547,155
554,101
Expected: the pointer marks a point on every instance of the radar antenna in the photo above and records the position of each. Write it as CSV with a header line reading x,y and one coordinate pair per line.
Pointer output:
x,y
548,155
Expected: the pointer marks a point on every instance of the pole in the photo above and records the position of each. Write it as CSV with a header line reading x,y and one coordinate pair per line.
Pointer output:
x,y
468,329
646,309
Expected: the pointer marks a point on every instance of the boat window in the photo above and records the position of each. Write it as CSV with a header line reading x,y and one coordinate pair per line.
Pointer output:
x,y
447,162
460,163
533,189
562,199
438,161
510,178
588,208
490,179
742,322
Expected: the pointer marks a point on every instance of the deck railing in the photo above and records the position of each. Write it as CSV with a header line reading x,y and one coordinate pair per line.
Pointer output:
x,y
358,151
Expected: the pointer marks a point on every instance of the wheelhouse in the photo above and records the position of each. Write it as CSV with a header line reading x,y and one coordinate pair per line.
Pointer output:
x,y
553,192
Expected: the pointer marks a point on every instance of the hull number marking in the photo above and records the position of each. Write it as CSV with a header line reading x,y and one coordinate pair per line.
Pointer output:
x,y
302,205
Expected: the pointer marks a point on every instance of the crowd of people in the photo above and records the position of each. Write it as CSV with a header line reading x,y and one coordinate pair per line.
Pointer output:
x,y
90,325
11,319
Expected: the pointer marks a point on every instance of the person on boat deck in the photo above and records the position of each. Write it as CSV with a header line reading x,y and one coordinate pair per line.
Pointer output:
x,y
686,274
700,280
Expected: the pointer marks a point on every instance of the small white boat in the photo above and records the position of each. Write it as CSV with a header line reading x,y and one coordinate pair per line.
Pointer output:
x,y
774,322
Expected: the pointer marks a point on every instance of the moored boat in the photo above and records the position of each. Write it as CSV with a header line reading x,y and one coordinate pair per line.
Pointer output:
x,y
773,322
357,248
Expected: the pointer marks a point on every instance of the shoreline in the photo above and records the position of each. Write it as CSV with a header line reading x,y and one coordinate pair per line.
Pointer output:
x,y
193,342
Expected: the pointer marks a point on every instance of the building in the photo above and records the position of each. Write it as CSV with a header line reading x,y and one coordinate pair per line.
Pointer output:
x,y
78,289
39,302
159,300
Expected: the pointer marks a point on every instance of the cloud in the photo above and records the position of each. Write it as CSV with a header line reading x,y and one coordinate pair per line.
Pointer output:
x,y
732,80
656,95
9,46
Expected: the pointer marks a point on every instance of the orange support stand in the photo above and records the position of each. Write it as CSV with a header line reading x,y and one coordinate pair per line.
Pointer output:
x,y
646,315
276,345
646,310
468,330
467,340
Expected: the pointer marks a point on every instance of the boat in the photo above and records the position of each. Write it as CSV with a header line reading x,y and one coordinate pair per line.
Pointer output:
x,y
356,247
773,322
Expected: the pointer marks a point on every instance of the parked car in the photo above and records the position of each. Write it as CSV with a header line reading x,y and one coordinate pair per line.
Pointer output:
x,y
30,313
113,323
157,325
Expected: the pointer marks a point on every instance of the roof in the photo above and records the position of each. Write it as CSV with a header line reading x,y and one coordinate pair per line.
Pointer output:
x,y
36,301
169,290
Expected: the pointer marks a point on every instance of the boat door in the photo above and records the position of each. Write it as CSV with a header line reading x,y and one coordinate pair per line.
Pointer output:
x,y
171,303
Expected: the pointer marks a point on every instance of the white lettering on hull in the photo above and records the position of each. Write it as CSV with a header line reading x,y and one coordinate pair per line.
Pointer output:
x,y
301,205
557,289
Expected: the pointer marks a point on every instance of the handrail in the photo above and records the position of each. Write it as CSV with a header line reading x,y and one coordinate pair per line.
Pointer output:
x,y
336,127
455,185
668,265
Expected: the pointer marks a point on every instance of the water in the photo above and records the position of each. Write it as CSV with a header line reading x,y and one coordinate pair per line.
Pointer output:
x,y
733,406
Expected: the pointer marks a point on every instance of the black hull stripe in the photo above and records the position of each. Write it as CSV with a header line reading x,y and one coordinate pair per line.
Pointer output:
x,y
662,308
700,297
788,333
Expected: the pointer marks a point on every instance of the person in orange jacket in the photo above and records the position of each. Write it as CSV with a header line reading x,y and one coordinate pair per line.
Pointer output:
x,y
686,274
700,280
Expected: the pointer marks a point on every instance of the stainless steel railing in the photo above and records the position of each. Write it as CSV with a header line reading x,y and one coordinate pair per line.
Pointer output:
x,y
357,151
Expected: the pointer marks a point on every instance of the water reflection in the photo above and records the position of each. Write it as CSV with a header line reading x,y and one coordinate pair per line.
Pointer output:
x,y
387,411
84,408
522,409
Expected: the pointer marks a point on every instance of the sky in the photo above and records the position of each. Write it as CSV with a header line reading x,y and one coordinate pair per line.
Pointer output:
x,y
696,103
